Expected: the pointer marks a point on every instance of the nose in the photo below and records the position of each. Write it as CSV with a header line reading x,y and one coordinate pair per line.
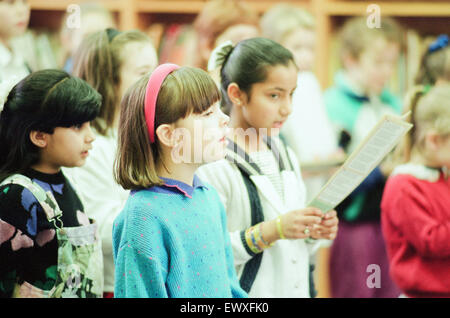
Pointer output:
x,y
286,108
90,137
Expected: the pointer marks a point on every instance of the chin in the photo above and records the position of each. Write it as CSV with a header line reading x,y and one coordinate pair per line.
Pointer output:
x,y
273,132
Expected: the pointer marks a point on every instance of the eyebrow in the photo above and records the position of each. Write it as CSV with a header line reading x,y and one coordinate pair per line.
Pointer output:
x,y
277,88
282,89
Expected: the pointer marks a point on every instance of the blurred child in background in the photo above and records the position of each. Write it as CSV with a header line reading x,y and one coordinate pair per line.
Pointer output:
x,y
222,20
111,61
294,28
14,18
435,64
93,17
355,103
416,199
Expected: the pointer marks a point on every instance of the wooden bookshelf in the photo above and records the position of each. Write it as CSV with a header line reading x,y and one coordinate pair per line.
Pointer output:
x,y
433,17
138,13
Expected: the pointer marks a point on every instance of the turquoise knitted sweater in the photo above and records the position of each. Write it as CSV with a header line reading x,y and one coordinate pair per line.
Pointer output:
x,y
172,241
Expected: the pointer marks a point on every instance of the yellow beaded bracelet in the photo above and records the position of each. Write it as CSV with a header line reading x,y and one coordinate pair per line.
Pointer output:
x,y
280,231
261,239
248,237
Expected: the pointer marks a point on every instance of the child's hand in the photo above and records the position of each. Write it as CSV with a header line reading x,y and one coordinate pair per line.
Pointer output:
x,y
328,227
298,224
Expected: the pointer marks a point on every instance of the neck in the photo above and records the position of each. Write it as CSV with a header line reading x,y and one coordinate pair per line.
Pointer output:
x,y
247,137
5,42
46,168
178,171
420,159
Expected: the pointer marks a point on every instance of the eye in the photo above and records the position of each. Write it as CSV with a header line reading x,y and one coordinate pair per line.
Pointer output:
x,y
77,126
274,96
209,113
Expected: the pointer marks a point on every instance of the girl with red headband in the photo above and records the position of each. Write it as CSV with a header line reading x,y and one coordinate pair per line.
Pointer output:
x,y
171,238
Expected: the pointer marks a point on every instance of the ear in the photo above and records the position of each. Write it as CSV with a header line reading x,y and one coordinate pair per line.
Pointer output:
x,y
235,94
349,60
165,135
432,141
39,138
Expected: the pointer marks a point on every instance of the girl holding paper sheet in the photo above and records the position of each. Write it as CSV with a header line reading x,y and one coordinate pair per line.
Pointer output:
x,y
259,182
416,200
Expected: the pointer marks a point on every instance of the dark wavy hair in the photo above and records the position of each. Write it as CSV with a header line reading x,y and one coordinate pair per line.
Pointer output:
x,y
41,101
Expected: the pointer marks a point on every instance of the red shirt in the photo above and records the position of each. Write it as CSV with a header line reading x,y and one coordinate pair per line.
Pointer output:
x,y
416,227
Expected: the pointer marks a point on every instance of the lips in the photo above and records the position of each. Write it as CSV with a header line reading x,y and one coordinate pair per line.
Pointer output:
x,y
21,24
86,152
278,124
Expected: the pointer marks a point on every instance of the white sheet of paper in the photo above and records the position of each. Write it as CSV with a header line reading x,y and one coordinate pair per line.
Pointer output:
x,y
366,157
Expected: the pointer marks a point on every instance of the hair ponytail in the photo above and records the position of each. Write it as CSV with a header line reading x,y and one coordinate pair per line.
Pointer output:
x,y
220,55
430,109
411,99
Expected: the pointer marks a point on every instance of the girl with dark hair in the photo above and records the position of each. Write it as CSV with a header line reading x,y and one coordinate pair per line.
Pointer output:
x,y
48,246
272,233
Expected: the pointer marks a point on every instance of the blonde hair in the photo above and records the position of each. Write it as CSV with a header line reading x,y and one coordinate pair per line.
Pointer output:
x,y
355,36
430,110
284,18
98,61
185,91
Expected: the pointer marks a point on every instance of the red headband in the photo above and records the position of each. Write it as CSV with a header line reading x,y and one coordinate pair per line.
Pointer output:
x,y
151,95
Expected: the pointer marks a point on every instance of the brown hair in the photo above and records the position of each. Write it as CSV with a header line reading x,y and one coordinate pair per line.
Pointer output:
x,y
429,110
98,61
185,91
218,15
356,36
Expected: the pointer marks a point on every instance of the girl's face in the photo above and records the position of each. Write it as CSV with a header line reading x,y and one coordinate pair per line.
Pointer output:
x,y
301,42
139,58
203,136
270,102
14,18
67,147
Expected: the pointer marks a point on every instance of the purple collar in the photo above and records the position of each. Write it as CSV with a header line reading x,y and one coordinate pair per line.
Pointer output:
x,y
172,185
